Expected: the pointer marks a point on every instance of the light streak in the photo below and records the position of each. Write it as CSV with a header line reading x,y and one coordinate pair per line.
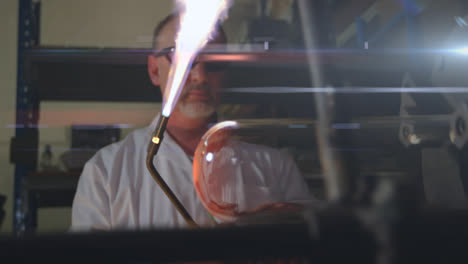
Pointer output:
x,y
347,90
463,51
461,22
198,20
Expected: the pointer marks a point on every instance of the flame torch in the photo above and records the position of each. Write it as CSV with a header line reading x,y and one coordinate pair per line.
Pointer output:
x,y
198,19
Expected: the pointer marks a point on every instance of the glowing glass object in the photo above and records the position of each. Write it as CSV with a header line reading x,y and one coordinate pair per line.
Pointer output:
x,y
231,176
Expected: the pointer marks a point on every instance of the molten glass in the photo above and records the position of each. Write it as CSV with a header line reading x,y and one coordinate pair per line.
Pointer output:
x,y
235,179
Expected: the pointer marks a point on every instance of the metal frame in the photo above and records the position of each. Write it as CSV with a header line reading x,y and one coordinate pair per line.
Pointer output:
x,y
409,13
25,142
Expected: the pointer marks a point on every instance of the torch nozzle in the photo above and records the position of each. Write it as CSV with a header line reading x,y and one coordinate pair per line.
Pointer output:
x,y
153,148
158,135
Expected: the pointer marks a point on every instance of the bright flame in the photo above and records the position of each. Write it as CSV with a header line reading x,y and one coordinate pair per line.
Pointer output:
x,y
198,19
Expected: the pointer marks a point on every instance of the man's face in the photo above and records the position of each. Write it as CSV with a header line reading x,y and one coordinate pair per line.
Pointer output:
x,y
200,95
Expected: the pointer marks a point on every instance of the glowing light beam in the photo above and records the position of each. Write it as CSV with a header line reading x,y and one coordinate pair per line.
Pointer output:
x,y
198,20
463,51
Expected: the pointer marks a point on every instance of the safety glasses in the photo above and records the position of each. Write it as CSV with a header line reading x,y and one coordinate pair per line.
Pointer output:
x,y
168,53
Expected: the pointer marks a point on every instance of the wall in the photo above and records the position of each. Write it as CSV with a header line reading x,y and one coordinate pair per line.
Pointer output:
x,y
101,23
8,25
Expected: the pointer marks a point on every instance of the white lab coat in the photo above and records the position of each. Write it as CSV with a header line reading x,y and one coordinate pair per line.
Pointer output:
x,y
116,191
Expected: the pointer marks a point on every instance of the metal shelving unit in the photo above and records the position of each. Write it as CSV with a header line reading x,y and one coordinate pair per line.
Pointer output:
x,y
25,142
108,75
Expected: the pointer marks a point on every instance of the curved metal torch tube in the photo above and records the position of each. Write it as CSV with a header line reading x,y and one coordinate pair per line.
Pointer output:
x,y
153,148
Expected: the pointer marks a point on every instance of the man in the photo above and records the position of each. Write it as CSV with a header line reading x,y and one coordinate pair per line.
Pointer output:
x,y
116,191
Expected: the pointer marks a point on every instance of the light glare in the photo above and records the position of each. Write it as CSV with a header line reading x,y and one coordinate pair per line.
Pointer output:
x,y
463,51
209,157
